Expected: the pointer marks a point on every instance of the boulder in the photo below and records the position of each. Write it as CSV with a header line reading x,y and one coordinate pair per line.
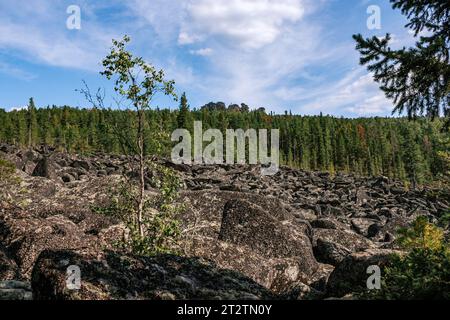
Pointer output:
x,y
330,252
361,225
327,223
28,167
45,168
204,209
108,275
347,239
66,178
8,268
15,290
82,164
248,225
276,274
26,238
351,274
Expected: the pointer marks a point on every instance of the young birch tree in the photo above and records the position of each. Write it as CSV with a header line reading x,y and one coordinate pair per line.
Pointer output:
x,y
137,82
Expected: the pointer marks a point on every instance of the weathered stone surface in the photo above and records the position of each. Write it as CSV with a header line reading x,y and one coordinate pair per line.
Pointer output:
x,y
45,168
361,225
246,224
205,208
347,239
82,164
327,223
277,274
111,275
351,274
8,268
26,238
67,178
329,252
15,290
262,227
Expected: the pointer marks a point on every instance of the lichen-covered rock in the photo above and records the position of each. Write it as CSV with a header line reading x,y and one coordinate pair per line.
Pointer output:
x,y
330,252
45,168
26,238
15,290
112,275
205,208
347,239
351,274
262,227
327,223
362,225
8,268
277,274
246,224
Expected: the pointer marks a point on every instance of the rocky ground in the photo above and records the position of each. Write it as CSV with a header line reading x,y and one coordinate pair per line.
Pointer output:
x,y
295,235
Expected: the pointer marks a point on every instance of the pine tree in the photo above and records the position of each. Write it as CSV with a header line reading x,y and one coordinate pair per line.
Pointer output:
x,y
32,125
413,157
417,78
183,113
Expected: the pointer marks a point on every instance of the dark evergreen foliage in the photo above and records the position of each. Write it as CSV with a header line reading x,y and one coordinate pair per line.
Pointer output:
x,y
417,78
394,147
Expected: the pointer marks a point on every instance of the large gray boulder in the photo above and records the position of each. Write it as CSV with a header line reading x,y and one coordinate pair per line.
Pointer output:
x,y
248,225
351,274
108,275
8,267
330,252
45,168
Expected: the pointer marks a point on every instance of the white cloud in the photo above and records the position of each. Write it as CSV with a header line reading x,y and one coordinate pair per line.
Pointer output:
x,y
15,72
248,24
250,45
263,52
54,51
185,38
19,108
202,52
39,34
373,105
356,93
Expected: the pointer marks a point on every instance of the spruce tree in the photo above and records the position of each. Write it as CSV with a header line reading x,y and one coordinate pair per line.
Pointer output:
x,y
416,78
32,126
413,157
183,114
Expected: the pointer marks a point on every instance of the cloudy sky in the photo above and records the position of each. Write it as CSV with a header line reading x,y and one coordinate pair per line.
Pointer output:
x,y
279,54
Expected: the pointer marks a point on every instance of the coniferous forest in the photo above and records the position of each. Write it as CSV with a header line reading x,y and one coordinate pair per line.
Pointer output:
x,y
412,151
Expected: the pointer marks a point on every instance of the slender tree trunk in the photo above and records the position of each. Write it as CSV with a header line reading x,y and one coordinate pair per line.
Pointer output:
x,y
29,128
414,180
29,136
141,172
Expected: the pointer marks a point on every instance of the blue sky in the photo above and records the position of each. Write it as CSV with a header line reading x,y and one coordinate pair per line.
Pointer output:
x,y
279,54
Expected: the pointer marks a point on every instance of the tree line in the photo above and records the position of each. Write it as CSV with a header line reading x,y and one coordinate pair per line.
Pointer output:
x,y
415,151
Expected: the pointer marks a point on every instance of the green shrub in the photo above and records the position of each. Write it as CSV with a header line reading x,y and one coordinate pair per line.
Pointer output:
x,y
423,272
7,177
162,226
444,220
7,170
422,235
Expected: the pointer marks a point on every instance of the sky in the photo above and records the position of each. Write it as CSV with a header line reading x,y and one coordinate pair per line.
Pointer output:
x,y
295,55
